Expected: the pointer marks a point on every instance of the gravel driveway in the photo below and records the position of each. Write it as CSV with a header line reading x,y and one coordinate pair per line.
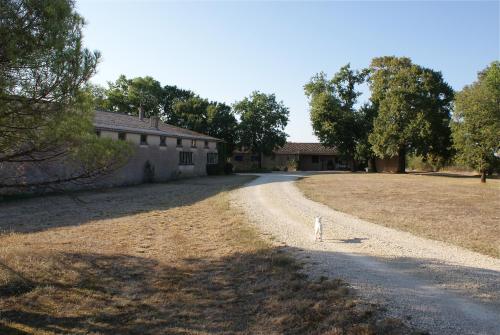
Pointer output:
x,y
433,285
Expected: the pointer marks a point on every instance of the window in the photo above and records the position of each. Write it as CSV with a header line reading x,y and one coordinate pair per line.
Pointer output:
x,y
212,158
315,159
179,142
254,158
185,158
238,158
163,141
206,144
144,139
193,143
122,136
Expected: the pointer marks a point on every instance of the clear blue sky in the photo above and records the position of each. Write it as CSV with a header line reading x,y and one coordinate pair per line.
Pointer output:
x,y
225,50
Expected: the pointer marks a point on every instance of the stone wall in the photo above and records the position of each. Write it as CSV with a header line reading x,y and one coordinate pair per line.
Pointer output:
x,y
387,164
164,161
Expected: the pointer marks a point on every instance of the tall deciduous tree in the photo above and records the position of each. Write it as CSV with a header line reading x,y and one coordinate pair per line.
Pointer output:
x,y
262,123
172,96
127,95
45,114
476,126
334,118
191,114
414,105
364,126
222,124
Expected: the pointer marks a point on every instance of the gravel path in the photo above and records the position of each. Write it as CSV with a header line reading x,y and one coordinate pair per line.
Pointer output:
x,y
433,285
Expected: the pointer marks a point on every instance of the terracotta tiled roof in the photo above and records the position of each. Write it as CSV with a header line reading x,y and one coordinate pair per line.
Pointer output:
x,y
305,148
128,123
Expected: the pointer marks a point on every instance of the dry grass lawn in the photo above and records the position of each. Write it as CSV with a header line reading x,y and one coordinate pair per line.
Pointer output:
x,y
170,258
451,208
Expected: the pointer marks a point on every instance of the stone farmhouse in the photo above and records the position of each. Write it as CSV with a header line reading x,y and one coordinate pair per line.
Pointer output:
x,y
292,156
162,151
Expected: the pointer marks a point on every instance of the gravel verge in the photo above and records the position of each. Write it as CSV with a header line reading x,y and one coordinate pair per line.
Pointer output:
x,y
433,285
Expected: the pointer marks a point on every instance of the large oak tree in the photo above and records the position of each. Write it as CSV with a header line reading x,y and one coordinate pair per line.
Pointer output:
x,y
414,105
476,126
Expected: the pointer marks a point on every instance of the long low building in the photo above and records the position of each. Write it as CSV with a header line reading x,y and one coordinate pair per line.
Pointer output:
x,y
171,152
292,156
161,152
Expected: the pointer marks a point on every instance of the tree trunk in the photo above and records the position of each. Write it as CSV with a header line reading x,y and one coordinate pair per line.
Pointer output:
x,y
483,176
353,165
260,160
372,166
402,160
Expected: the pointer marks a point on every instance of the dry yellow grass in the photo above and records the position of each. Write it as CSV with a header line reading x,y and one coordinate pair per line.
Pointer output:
x,y
451,208
160,259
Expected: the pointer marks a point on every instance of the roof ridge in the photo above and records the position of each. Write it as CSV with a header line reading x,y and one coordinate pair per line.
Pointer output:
x,y
133,121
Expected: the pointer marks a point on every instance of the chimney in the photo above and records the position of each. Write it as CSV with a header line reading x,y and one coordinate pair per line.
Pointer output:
x,y
154,121
141,113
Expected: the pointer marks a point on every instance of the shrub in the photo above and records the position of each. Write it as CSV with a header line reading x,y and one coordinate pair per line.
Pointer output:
x,y
228,168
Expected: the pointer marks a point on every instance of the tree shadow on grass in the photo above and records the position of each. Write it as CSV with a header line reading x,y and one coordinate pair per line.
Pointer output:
x,y
76,208
452,175
245,293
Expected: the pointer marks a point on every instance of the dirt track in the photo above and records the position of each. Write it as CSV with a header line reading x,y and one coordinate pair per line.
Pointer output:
x,y
435,286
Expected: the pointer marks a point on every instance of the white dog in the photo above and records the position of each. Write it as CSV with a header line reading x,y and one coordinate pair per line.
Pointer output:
x,y
318,229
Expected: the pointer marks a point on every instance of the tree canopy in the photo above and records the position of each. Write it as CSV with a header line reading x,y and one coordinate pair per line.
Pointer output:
x,y
45,110
476,124
334,118
414,105
262,123
127,95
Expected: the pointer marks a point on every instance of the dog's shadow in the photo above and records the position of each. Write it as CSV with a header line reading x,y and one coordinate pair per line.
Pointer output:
x,y
348,240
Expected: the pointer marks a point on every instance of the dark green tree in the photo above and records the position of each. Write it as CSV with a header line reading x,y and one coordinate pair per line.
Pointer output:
x,y
364,126
222,124
45,111
414,105
173,95
334,118
476,125
191,114
262,123
127,95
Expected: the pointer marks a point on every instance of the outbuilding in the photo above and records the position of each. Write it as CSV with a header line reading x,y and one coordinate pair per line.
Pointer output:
x,y
292,156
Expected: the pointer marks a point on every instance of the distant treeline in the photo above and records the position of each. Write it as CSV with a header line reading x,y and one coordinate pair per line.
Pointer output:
x,y
412,111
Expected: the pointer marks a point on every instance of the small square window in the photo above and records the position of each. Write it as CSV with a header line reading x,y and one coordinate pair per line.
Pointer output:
x,y
122,136
163,141
185,158
144,139
206,144
315,159
238,158
193,143
179,142
212,158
